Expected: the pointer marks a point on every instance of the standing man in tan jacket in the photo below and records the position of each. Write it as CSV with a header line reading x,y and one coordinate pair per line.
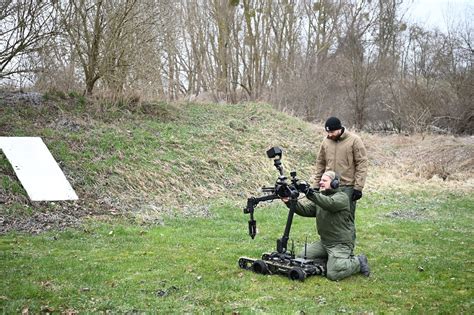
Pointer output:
x,y
344,153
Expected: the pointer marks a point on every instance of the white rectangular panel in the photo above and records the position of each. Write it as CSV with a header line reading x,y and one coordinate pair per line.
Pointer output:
x,y
36,169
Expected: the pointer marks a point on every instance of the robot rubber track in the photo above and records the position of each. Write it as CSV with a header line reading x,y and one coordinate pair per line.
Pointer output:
x,y
284,264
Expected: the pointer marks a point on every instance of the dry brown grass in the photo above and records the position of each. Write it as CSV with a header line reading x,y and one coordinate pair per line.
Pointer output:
x,y
438,162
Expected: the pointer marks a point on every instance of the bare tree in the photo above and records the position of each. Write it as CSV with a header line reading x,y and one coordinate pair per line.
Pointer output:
x,y
223,14
318,79
146,31
84,23
357,46
103,34
26,27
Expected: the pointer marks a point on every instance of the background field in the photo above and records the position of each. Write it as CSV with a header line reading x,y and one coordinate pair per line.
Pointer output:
x,y
159,224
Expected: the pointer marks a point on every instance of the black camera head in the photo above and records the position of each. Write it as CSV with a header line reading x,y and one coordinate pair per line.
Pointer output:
x,y
275,153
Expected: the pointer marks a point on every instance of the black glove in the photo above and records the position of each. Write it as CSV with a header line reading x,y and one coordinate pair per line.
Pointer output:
x,y
356,195
302,186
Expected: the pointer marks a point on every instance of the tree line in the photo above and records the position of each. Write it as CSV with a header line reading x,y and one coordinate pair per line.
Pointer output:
x,y
359,60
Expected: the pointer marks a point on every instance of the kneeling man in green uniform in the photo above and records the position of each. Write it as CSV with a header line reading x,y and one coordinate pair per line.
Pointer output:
x,y
331,207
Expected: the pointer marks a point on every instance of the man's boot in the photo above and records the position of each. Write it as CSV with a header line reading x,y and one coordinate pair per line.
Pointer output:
x,y
364,265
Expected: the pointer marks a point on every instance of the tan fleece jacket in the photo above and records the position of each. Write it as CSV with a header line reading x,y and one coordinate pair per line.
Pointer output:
x,y
347,157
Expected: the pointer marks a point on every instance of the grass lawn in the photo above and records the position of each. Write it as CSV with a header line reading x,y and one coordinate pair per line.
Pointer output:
x,y
419,246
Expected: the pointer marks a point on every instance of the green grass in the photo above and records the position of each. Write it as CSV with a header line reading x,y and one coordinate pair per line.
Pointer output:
x,y
421,265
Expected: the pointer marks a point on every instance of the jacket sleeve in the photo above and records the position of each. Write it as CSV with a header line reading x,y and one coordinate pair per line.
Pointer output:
x,y
361,164
307,209
320,163
333,203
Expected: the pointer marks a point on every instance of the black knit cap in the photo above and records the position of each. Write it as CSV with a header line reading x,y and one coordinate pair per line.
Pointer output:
x,y
333,123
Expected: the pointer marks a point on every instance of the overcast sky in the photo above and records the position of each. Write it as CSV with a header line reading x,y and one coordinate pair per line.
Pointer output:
x,y
437,13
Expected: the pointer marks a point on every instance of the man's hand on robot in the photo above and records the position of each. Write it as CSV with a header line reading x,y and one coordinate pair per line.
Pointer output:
x,y
303,186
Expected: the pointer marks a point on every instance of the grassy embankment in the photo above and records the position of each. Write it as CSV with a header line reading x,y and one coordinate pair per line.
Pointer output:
x,y
176,180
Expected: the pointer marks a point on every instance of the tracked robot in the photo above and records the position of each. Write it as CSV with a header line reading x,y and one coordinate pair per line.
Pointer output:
x,y
282,261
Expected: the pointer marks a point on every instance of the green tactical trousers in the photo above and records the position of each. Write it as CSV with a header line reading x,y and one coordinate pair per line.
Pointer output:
x,y
341,261
349,190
